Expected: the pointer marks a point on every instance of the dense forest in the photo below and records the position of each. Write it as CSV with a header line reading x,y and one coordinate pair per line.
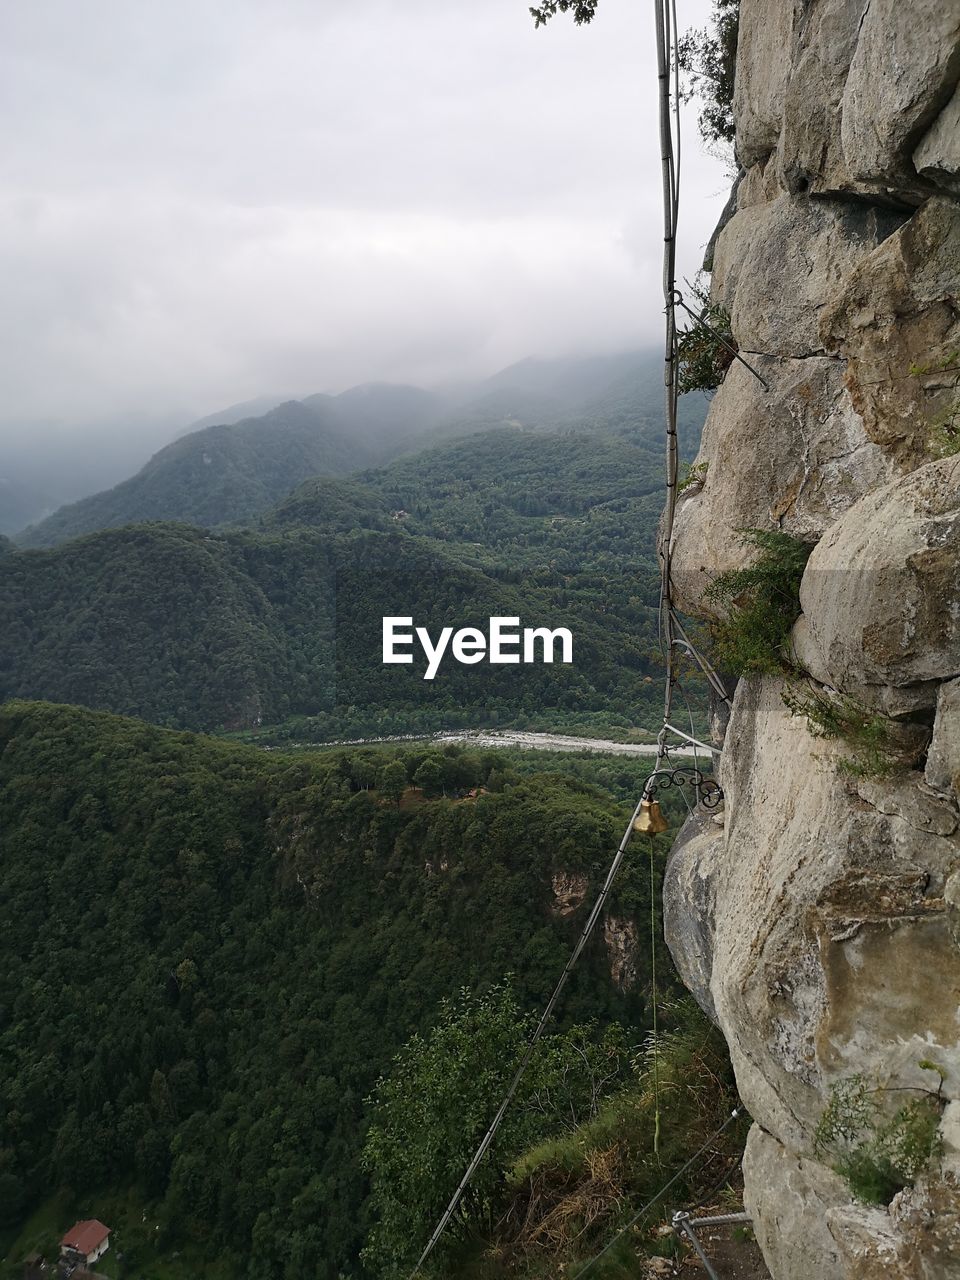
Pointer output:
x,y
228,472
220,475
282,623
212,953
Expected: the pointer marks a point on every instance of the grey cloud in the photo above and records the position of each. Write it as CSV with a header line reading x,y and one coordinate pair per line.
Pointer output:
x,y
206,201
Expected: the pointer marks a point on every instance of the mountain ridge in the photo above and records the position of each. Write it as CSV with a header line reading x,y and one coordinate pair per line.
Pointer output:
x,y
370,424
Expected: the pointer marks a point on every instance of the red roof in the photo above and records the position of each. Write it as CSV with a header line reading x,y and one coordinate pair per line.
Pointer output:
x,y
86,1237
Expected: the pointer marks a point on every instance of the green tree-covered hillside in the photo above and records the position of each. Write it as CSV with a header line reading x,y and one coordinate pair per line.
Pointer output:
x,y
223,474
197,630
238,628
230,472
210,953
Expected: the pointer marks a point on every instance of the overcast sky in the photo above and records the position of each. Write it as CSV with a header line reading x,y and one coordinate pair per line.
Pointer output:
x,y
206,200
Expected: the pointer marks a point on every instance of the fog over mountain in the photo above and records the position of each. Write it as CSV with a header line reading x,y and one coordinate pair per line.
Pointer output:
x,y
209,204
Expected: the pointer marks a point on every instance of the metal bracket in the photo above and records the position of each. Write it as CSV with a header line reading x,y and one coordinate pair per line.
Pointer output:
x,y
709,792
682,1222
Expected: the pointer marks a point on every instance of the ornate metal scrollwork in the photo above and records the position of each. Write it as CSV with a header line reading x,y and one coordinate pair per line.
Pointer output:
x,y
709,792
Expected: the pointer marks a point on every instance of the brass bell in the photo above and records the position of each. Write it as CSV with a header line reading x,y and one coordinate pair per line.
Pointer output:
x,y
650,820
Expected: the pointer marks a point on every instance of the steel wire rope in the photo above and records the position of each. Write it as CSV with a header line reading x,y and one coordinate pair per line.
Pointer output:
x,y
645,1208
531,1046
666,62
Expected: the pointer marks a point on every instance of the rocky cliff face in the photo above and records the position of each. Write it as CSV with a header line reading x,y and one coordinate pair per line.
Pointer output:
x,y
820,923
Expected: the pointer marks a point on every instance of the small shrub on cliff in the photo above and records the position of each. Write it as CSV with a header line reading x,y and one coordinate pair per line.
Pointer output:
x,y
433,1107
708,60
692,476
762,603
703,359
876,1149
878,745
565,1197
944,431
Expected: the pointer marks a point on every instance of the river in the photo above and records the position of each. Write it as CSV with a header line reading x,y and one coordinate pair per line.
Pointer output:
x,y
518,738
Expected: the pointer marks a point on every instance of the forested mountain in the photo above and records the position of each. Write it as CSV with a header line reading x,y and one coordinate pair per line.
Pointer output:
x,y
195,630
223,474
229,473
251,938
244,627
527,500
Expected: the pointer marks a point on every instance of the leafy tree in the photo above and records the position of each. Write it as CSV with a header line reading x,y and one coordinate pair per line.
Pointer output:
x,y
583,11
433,1108
429,777
393,780
708,59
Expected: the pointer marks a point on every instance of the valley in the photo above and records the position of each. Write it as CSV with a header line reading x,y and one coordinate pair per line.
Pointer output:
x,y
214,592
259,934
269,916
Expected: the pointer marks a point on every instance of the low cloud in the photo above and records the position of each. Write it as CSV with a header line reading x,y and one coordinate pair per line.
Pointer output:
x,y
207,202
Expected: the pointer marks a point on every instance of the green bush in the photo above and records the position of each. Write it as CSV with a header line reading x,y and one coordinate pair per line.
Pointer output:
x,y
878,1153
761,603
692,476
704,354
565,1197
878,746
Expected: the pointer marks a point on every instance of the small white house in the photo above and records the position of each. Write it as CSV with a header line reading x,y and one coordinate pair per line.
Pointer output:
x,y
89,1239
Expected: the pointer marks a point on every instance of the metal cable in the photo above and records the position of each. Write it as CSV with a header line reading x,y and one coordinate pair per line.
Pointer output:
x,y
659,1196
531,1045
667,64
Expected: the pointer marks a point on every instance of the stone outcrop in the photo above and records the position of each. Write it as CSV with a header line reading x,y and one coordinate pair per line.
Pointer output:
x,y
903,72
896,322
937,157
620,936
818,921
794,457
569,891
881,592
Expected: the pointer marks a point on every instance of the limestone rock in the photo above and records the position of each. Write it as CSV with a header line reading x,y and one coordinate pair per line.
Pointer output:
x,y
788,1197
820,924
897,322
889,700
793,458
826,906
943,758
763,72
758,185
881,591
621,939
918,1238
937,156
813,158
569,890
797,251
688,904
807,1223
903,797
903,72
